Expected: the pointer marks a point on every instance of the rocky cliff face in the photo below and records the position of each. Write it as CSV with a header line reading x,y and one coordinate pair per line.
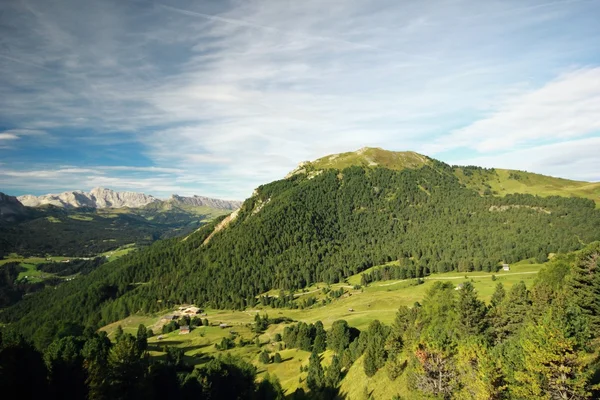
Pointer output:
x,y
97,198
10,208
199,201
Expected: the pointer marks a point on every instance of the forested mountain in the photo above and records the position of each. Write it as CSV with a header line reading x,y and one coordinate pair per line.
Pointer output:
x,y
324,226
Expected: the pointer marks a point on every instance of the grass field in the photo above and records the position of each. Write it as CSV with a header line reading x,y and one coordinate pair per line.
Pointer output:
x,y
120,252
380,300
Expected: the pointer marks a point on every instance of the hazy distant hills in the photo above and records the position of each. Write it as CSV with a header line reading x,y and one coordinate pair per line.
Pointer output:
x,y
107,198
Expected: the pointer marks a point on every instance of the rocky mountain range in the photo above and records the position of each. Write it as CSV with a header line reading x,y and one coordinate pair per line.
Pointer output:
x,y
107,198
96,198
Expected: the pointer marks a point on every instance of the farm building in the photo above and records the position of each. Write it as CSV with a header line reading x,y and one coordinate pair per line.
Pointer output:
x,y
169,317
184,330
505,267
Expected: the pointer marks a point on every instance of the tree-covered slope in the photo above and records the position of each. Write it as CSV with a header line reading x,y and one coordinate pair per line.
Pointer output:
x,y
325,227
495,181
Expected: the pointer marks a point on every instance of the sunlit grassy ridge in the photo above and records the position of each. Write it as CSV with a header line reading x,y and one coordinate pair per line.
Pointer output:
x,y
371,157
499,181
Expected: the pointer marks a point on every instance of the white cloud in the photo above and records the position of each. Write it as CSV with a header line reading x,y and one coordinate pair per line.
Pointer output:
x,y
574,159
564,108
8,136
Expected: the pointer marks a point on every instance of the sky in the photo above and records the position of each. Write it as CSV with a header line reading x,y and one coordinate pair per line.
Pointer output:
x,y
217,97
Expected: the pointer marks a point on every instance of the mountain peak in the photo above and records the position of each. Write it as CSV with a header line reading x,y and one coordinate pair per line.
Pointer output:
x,y
366,157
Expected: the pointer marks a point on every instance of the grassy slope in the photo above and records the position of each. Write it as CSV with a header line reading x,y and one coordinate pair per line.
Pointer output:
x,y
503,182
378,301
500,181
369,156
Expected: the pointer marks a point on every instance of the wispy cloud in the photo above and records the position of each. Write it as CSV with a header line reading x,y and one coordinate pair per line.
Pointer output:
x,y
564,108
224,96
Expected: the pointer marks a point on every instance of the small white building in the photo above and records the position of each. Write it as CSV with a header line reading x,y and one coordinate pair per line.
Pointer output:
x,y
505,267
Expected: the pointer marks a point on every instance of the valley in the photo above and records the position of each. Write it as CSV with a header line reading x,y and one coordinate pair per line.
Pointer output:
x,y
369,274
378,301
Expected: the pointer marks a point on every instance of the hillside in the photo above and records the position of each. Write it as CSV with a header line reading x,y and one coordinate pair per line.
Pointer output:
x,y
325,228
11,209
495,181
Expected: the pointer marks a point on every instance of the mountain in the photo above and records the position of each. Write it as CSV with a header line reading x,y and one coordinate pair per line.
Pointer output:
x,y
201,201
96,198
107,198
486,181
324,224
10,208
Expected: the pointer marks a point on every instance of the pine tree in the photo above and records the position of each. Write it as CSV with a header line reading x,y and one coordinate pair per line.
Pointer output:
x,y
320,343
498,296
277,358
375,354
583,284
470,311
142,338
118,333
316,377
551,366
264,357
334,372
511,313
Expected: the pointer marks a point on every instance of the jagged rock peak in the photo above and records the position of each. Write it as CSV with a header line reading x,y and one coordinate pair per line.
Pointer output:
x,y
97,198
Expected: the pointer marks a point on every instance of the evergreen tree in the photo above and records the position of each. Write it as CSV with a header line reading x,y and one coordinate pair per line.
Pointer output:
x,y
277,358
511,313
316,377
334,372
375,354
470,311
320,342
551,366
338,338
498,295
264,357
583,284
118,333
142,338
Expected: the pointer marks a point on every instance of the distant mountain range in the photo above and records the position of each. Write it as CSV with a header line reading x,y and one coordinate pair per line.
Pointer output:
x,y
107,198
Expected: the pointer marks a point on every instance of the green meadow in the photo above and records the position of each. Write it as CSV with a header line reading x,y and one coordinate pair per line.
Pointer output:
x,y
380,300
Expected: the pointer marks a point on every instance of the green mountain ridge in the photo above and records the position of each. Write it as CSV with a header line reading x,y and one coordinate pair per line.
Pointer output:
x,y
494,181
325,227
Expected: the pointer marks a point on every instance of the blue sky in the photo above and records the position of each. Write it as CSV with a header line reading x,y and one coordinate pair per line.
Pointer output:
x,y
217,97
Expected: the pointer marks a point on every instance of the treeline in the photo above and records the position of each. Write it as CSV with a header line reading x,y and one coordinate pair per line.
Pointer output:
x,y
81,364
299,231
75,266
